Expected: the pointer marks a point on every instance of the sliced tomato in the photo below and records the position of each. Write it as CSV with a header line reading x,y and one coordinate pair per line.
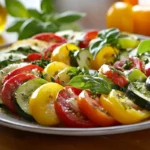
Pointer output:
x,y
49,50
34,57
87,38
116,76
67,109
120,65
25,69
10,86
91,108
130,63
50,37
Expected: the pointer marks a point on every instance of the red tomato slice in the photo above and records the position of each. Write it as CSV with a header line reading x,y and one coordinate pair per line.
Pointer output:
x,y
49,50
134,63
114,75
91,108
34,57
68,111
87,38
25,69
137,63
10,86
50,37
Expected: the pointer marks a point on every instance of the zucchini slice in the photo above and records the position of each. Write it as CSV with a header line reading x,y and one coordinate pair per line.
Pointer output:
x,y
138,92
23,94
84,58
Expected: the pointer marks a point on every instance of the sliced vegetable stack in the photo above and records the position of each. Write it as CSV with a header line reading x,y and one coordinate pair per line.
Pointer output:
x,y
77,79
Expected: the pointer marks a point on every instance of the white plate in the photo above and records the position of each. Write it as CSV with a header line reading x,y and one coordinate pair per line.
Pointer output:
x,y
13,121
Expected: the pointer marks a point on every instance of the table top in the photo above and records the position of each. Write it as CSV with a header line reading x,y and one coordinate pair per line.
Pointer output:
x,y
12,139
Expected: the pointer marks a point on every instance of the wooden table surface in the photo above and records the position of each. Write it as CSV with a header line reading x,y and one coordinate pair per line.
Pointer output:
x,y
11,139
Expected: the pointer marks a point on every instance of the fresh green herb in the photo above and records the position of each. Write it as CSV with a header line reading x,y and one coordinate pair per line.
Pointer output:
x,y
143,47
42,63
5,63
127,64
24,50
73,71
96,84
31,21
105,37
146,61
73,56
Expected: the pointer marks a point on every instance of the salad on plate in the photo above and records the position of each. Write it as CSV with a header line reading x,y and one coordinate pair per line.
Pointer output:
x,y
77,79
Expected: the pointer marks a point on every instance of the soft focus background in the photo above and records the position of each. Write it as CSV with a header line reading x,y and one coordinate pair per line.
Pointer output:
x,y
95,10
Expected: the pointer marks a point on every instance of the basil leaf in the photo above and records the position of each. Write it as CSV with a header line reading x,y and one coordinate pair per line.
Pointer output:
x,y
29,28
47,6
16,9
69,17
96,45
15,26
111,34
96,84
143,47
48,27
32,26
34,13
105,37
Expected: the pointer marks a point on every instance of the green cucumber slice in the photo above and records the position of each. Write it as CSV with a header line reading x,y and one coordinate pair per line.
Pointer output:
x,y
128,41
23,94
84,58
136,75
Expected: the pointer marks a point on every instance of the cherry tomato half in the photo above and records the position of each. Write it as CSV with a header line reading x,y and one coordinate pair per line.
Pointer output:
x,y
49,50
87,38
50,37
67,109
25,69
130,63
10,86
34,57
114,75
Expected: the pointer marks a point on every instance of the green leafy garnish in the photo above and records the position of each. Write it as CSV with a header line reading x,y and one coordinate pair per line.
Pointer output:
x,y
6,62
73,71
96,84
31,21
69,17
144,47
24,50
16,8
42,63
105,37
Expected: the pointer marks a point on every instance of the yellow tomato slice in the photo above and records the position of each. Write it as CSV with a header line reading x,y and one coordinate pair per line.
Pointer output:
x,y
53,69
107,55
123,109
41,104
61,53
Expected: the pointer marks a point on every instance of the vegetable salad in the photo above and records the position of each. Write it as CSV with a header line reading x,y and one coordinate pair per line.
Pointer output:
x,y
77,79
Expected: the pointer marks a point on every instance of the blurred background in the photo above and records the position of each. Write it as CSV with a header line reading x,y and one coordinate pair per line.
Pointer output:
x,y
95,10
